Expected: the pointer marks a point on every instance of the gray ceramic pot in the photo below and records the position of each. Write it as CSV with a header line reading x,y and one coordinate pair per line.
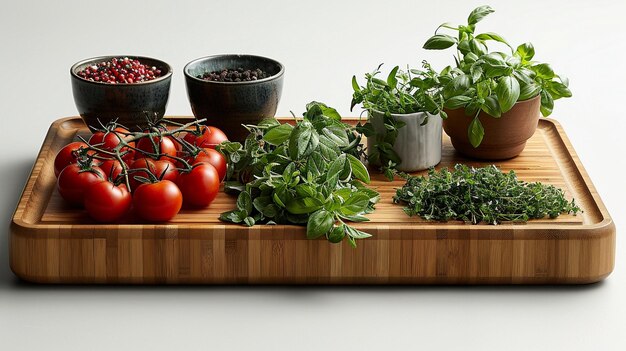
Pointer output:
x,y
130,104
228,105
419,146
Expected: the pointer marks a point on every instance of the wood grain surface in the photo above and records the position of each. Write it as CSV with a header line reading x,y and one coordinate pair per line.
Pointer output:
x,y
54,243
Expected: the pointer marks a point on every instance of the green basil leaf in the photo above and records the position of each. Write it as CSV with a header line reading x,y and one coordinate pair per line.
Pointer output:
x,y
507,91
476,132
358,169
492,107
278,135
528,91
303,205
357,234
477,47
543,71
492,36
558,90
478,14
458,85
526,52
547,103
320,223
357,203
337,234
439,42
261,202
457,102
305,190
355,218
269,122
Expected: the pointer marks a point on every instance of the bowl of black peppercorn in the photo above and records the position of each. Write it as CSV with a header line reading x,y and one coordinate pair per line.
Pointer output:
x,y
234,90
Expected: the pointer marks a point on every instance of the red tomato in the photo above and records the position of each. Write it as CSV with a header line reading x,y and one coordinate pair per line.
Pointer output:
x,y
214,158
66,156
111,168
158,202
159,168
165,146
106,202
74,180
208,137
108,141
200,185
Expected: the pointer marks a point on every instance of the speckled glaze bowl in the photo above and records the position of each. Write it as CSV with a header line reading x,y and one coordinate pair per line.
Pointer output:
x,y
228,105
130,104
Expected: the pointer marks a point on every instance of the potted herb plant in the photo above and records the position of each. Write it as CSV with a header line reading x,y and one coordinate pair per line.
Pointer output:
x,y
493,99
403,130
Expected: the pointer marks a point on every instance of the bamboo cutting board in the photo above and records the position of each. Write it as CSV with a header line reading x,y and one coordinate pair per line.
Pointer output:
x,y
53,243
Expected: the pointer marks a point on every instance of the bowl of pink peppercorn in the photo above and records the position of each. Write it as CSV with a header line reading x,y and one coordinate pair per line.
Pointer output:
x,y
131,90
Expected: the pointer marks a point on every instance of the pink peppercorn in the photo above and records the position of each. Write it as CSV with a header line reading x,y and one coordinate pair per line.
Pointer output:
x,y
120,70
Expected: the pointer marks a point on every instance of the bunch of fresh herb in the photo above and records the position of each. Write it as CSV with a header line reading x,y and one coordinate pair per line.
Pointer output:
x,y
308,174
401,93
492,82
480,195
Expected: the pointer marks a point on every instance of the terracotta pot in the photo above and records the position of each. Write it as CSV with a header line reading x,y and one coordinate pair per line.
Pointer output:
x,y
505,137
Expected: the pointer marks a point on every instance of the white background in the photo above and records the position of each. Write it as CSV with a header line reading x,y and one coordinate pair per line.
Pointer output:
x,y
322,44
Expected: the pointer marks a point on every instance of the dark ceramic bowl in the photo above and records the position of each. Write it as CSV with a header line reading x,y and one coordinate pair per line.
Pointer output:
x,y
228,105
130,104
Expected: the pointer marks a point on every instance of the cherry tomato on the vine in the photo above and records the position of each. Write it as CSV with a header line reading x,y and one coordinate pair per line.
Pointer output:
x,y
208,137
111,168
200,185
108,141
157,202
161,169
165,146
67,156
75,179
214,158
107,202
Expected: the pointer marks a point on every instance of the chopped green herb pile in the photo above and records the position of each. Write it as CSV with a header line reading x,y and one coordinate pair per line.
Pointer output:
x,y
480,195
308,174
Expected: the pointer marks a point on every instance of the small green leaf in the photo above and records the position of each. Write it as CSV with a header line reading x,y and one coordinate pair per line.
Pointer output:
x,y
528,91
337,234
392,81
355,85
458,85
478,14
303,205
492,107
249,221
439,42
547,103
357,234
358,169
457,102
319,224
278,135
507,91
244,202
543,71
558,90
302,141
476,132
357,203
526,52
336,167
492,36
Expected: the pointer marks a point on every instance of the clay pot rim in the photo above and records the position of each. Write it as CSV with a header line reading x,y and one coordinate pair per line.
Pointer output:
x,y
521,102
